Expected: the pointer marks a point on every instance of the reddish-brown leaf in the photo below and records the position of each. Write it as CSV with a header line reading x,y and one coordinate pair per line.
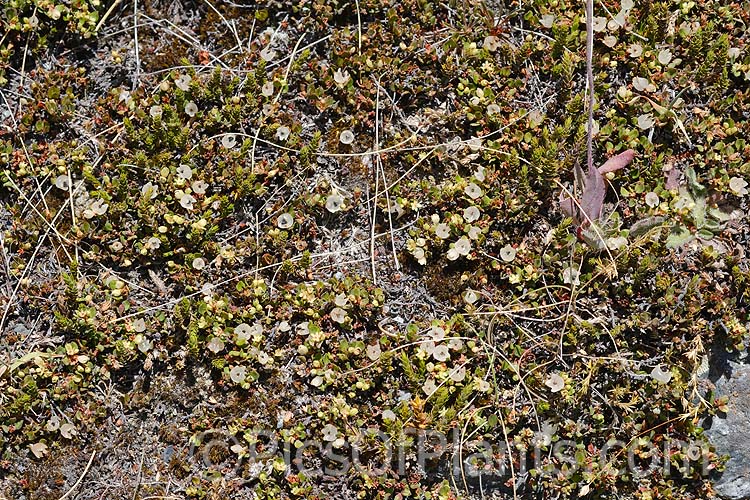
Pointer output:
x,y
617,162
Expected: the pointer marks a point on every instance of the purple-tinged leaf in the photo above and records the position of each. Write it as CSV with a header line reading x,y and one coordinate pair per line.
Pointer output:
x,y
592,199
594,191
617,162
567,206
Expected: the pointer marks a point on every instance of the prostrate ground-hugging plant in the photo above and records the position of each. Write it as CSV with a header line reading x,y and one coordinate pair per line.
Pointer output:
x,y
303,249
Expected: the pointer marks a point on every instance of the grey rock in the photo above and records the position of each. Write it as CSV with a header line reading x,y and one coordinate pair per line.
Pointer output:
x,y
730,433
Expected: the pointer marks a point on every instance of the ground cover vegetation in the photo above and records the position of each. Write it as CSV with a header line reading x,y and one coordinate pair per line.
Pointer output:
x,y
316,217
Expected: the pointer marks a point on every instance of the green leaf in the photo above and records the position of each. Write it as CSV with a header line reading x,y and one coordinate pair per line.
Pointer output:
x,y
718,214
712,225
699,211
643,226
679,236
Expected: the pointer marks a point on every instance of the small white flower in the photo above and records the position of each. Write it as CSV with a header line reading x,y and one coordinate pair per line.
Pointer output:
x,y
215,345
68,431
493,109
303,328
124,96
473,191
317,381
738,186
536,117
187,201
191,109
53,423
491,43
544,435
627,5
640,84
373,351
346,137
571,276
268,54
152,243
183,82
429,387
282,133
199,186
600,24
462,246
471,213
428,346
388,416
256,330
184,172
341,77
334,202
547,20
441,353
38,449
155,111
198,263
338,315
149,191
473,232
330,432
238,374
285,221
661,376
635,50
139,325
62,182
452,254
243,332
664,56
145,345
470,296
610,41
228,141
480,174
555,382
474,144
341,300
458,374
264,358
284,327
652,199
456,344
507,253
116,246
98,207
645,121
734,52
267,89
483,385
437,332
442,231
420,255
